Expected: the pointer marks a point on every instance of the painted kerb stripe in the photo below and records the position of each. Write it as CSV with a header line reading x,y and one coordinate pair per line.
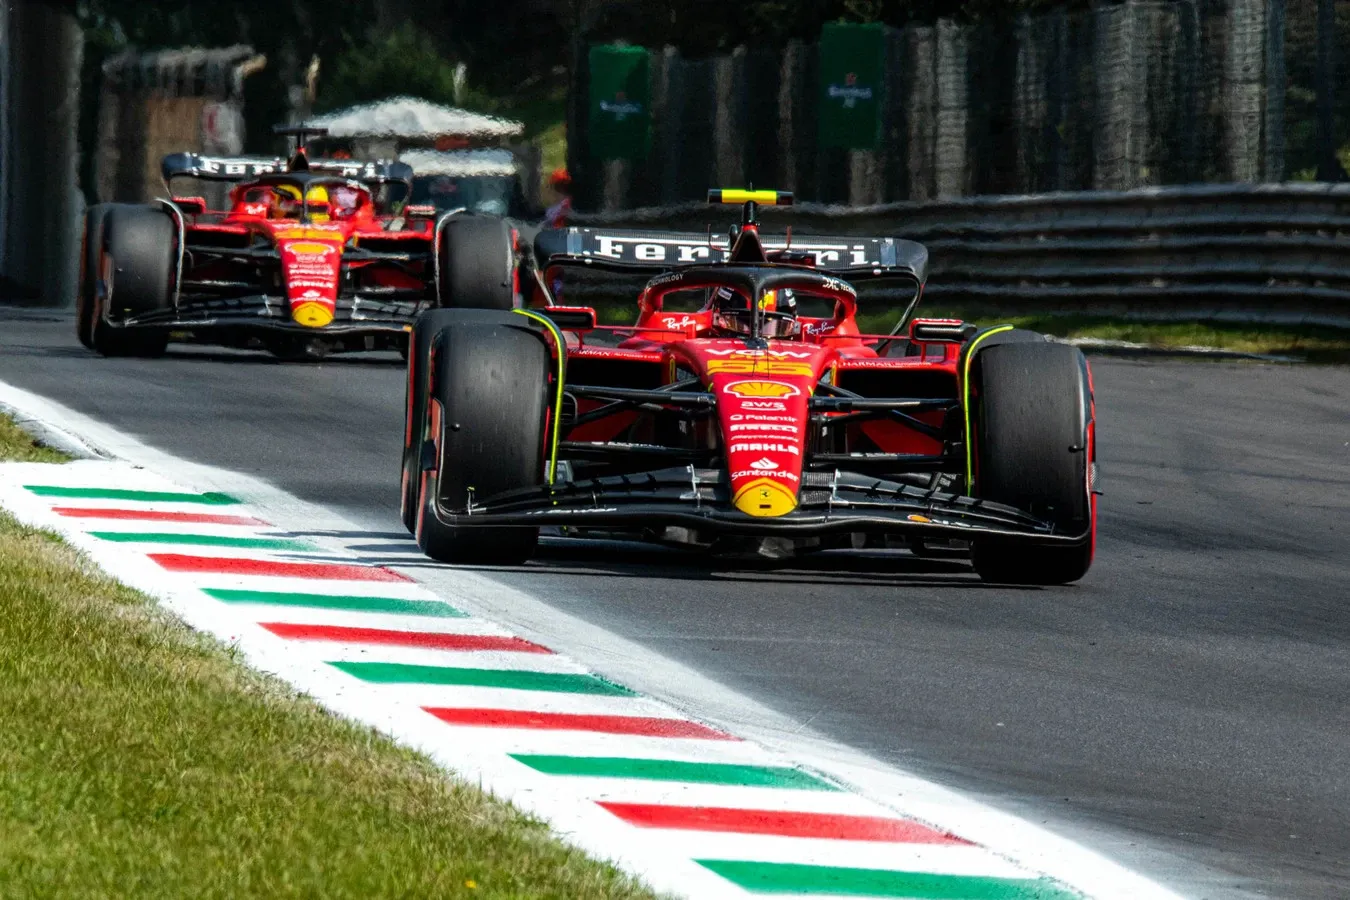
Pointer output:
x,y
639,726
398,673
395,605
792,878
153,515
204,540
426,640
215,565
830,826
726,774
84,493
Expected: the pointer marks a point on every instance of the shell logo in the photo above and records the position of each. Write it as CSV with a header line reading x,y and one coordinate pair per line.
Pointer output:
x,y
761,389
311,247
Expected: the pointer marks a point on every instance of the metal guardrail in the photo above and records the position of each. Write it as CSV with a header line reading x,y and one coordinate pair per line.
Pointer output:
x,y
1255,253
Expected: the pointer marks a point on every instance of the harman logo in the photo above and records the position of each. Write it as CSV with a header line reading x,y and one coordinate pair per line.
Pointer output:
x,y
760,389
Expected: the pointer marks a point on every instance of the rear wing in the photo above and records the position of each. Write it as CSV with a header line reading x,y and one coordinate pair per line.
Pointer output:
x,y
654,252
245,168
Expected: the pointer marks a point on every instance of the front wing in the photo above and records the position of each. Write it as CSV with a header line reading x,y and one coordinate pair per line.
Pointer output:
x,y
830,503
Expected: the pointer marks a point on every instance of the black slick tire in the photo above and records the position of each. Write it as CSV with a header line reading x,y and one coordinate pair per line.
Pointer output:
x,y
490,382
425,329
1033,435
139,256
91,254
477,261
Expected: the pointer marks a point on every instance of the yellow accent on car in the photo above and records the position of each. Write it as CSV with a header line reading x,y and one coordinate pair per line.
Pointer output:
x,y
763,198
965,404
765,498
312,315
560,344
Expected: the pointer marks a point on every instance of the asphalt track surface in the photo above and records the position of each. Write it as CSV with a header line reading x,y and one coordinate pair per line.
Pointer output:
x,y
1189,699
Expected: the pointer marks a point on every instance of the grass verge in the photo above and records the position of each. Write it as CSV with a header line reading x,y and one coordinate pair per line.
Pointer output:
x,y
138,758
17,445
1314,343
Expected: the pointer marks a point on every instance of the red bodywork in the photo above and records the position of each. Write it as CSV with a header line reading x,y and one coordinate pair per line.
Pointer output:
x,y
303,251
761,411
762,389
312,252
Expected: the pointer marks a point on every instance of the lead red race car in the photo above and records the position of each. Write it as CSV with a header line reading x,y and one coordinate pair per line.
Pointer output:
x,y
743,409
308,257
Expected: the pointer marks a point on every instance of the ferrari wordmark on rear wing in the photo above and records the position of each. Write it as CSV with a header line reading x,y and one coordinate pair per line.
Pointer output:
x,y
245,168
659,251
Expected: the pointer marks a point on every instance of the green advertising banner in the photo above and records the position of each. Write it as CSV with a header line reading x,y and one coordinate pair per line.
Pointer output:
x,y
852,82
620,118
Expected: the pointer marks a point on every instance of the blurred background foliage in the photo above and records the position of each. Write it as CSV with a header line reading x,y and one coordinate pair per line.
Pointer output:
x,y
517,54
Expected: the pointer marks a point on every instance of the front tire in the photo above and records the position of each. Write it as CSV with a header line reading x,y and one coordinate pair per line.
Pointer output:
x,y
1034,446
486,404
91,259
138,261
425,331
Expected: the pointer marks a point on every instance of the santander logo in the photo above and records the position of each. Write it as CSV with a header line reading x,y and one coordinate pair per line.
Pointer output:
x,y
764,465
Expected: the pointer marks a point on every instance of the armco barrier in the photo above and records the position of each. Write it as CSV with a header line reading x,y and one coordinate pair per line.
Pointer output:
x,y
1259,253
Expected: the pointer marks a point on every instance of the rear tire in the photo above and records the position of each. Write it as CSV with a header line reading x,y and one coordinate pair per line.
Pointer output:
x,y
1033,441
91,255
477,261
490,377
139,256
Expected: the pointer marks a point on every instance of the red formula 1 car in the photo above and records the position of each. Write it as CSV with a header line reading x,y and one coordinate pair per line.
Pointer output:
x,y
744,410
308,257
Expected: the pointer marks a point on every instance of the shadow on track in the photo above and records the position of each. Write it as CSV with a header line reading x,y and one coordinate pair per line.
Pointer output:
x,y
597,559
189,353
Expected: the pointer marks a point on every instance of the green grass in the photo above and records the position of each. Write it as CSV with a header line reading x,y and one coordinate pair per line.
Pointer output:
x,y
140,759
16,445
1314,343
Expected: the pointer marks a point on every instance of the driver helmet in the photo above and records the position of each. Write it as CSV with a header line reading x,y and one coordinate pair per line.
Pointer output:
x,y
732,312
288,205
345,201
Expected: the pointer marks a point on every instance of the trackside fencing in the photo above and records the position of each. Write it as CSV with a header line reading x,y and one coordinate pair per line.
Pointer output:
x,y
1257,253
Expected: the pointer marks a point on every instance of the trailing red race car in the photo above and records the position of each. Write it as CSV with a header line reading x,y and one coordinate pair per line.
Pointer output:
x,y
744,410
309,256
